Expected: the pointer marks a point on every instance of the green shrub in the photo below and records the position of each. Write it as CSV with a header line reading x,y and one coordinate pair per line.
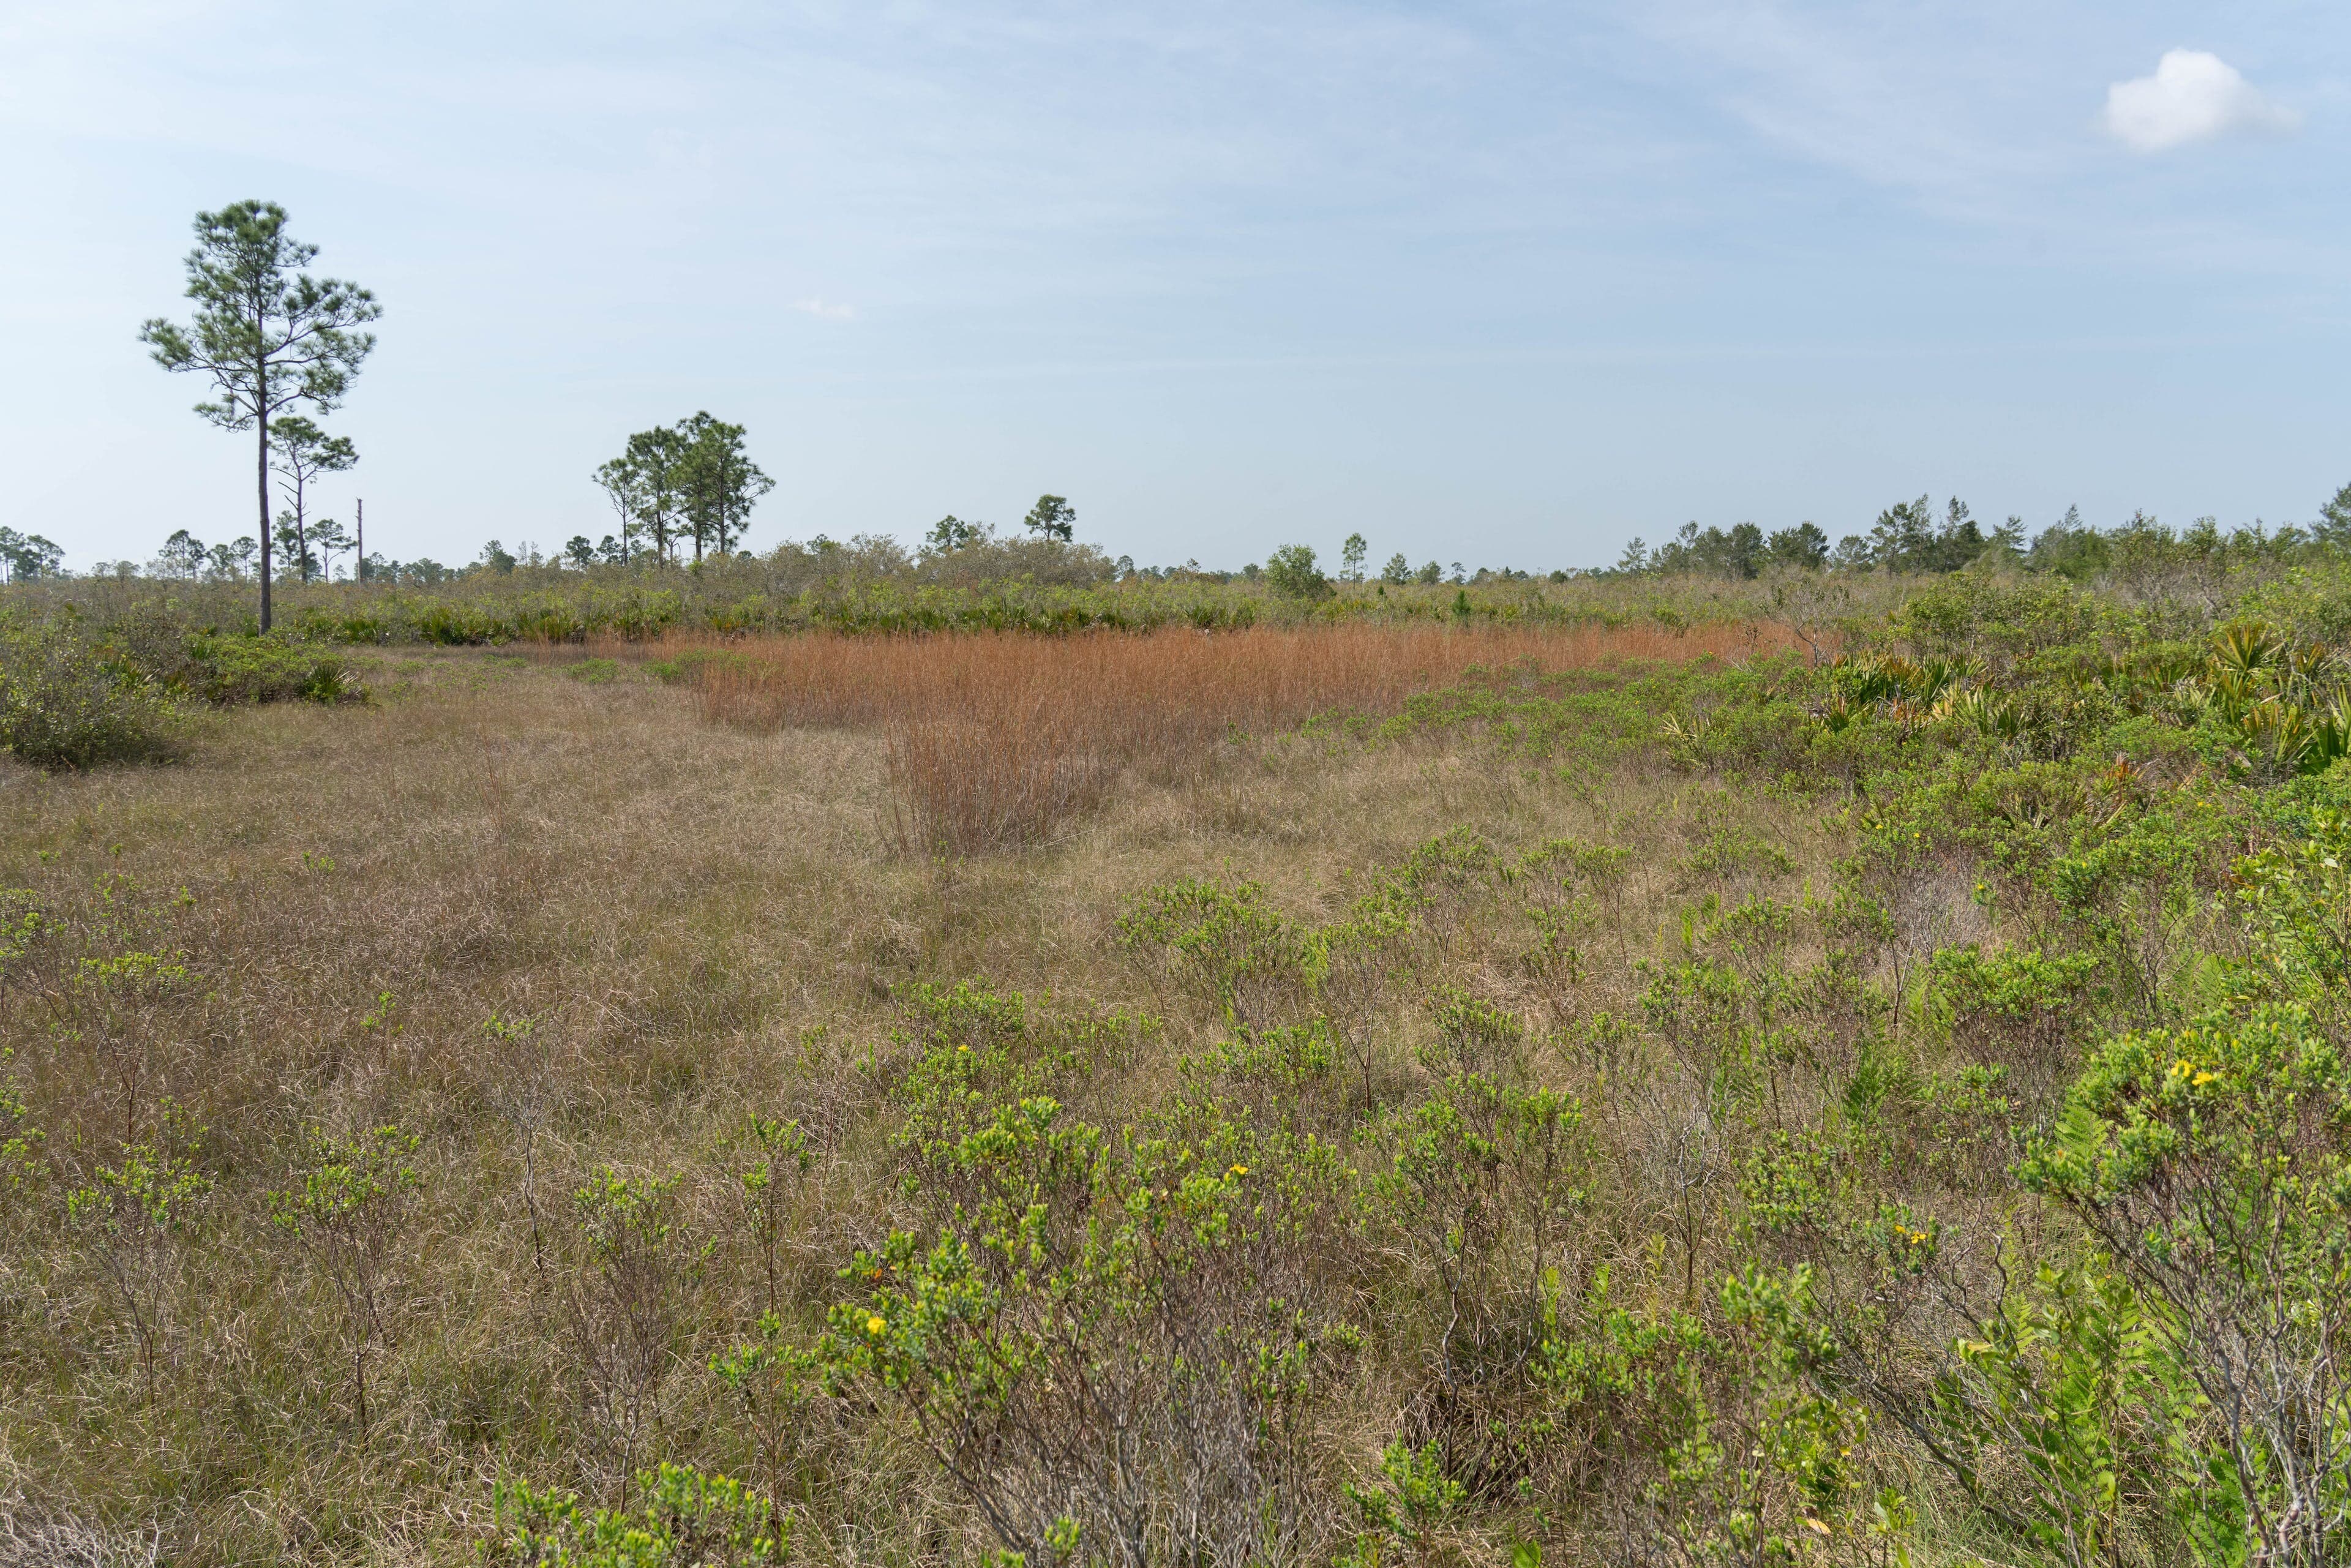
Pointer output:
x,y
224,670
688,1517
1292,573
688,666
2018,1005
65,703
1220,940
1106,1337
2209,1163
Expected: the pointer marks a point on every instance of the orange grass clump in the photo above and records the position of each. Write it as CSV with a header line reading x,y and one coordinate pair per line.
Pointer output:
x,y
997,739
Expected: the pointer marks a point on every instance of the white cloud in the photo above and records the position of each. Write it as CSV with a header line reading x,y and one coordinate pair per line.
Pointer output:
x,y
2192,97
825,311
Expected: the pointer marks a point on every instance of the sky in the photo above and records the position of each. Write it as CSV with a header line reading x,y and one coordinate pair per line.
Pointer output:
x,y
1504,283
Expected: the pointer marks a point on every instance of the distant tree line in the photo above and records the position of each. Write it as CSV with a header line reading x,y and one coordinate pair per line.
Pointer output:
x,y
1911,538
306,557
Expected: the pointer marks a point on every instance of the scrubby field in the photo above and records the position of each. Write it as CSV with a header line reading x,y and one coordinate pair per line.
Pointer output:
x,y
1748,1091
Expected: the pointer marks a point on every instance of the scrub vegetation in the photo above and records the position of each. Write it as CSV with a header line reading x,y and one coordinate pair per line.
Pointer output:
x,y
777,1064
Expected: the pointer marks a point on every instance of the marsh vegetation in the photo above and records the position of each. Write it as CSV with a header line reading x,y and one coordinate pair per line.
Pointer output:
x,y
1812,1067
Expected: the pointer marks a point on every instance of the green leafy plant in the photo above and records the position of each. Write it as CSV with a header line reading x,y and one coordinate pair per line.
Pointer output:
x,y
772,1381
2065,1415
135,1216
22,1167
624,1304
2212,1162
780,1160
119,1001
2017,1006
228,670
2294,894
1292,573
687,1520
65,702
1102,1334
1407,1506
1221,940
351,1215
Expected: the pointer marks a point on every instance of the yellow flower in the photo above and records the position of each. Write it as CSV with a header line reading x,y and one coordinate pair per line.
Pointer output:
x,y
2182,1068
875,1324
1237,1170
2203,1078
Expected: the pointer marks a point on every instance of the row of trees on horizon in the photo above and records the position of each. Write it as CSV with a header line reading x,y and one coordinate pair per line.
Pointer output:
x,y
1909,538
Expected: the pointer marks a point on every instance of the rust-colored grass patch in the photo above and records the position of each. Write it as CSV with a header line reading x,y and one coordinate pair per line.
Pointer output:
x,y
999,739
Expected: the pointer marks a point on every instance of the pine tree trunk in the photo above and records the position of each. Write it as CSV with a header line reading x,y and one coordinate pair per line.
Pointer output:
x,y
261,465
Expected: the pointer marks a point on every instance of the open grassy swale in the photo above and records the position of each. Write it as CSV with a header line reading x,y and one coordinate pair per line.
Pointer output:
x,y
1373,1093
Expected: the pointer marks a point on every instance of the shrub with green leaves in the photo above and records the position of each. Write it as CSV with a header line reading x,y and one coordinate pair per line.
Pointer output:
x,y
624,1303
1105,1338
1292,573
65,701
349,1215
22,1167
2212,1163
2065,1416
134,1215
2294,895
1482,1183
1405,1508
2014,1007
687,1519
1221,940
224,670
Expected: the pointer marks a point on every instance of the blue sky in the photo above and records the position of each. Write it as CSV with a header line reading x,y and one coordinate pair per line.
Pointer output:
x,y
1502,282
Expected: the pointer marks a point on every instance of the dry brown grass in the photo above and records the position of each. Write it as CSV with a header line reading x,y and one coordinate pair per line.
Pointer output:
x,y
999,739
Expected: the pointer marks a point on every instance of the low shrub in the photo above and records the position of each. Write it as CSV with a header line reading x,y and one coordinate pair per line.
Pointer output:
x,y
227,670
65,703
696,665
686,1517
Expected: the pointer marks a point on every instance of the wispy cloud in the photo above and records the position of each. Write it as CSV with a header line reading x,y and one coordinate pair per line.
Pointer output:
x,y
826,311
2192,97
1912,98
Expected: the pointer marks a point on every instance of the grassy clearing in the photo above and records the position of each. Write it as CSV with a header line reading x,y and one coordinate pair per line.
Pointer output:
x,y
1427,1096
